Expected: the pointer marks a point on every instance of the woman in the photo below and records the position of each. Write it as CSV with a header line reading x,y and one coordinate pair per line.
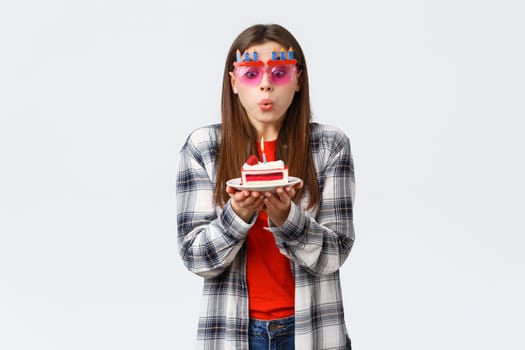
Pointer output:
x,y
270,260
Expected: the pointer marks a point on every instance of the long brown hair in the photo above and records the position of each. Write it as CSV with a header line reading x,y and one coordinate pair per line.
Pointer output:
x,y
238,135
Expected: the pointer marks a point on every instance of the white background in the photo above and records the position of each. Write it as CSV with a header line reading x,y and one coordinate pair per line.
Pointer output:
x,y
97,97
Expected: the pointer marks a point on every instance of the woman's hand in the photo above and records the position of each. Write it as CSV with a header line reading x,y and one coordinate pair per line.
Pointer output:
x,y
277,205
245,203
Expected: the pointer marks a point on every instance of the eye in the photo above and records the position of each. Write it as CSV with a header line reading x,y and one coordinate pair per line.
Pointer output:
x,y
251,73
279,72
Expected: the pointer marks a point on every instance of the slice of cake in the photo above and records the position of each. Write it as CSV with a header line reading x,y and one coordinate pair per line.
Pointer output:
x,y
256,173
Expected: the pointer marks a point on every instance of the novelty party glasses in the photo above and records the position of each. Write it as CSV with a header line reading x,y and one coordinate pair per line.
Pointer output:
x,y
278,73
280,70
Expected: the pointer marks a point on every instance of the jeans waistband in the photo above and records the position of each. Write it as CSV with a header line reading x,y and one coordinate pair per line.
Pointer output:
x,y
272,328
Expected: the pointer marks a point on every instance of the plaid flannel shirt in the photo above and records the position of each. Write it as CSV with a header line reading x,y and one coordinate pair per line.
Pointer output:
x,y
317,242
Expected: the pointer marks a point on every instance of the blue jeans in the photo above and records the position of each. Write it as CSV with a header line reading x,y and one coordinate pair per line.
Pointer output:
x,y
272,335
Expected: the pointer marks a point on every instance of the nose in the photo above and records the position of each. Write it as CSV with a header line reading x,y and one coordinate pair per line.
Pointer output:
x,y
266,84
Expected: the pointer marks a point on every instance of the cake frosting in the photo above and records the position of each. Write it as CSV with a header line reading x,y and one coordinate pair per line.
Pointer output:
x,y
277,164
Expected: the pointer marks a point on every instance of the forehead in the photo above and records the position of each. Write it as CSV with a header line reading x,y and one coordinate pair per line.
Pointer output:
x,y
265,49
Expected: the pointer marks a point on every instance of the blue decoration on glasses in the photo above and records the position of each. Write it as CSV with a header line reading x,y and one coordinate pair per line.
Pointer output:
x,y
255,56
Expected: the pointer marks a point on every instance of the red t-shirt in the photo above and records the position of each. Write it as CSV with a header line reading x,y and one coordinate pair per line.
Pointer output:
x,y
271,287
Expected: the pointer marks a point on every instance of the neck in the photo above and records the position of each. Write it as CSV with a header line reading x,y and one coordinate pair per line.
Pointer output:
x,y
269,132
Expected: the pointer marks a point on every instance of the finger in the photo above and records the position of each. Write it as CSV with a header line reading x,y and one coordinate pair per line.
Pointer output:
x,y
258,204
256,199
249,200
269,207
290,191
273,202
230,190
282,194
238,196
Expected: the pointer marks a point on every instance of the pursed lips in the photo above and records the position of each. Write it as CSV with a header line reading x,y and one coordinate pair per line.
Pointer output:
x,y
266,104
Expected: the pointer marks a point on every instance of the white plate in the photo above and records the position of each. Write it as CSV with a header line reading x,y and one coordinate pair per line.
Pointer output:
x,y
236,183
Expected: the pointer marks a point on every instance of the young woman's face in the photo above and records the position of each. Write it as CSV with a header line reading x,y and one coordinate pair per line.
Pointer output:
x,y
266,102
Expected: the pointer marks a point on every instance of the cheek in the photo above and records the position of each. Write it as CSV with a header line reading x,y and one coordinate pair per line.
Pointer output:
x,y
246,97
287,96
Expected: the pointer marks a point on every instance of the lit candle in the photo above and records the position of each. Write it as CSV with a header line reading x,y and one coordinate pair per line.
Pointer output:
x,y
255,56
246,56
274,55
290,53
238,55
282,54
262,149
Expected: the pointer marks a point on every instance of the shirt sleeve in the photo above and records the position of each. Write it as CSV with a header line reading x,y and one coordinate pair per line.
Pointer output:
x,y
321,244
208,238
